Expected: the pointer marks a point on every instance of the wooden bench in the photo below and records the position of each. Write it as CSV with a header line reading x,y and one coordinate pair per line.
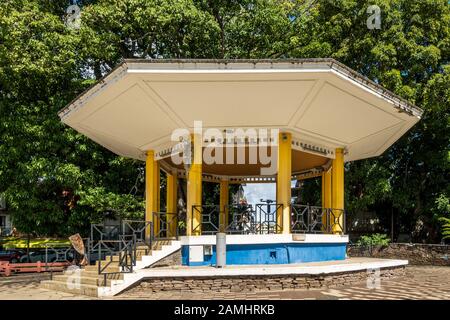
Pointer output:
x,y
7,268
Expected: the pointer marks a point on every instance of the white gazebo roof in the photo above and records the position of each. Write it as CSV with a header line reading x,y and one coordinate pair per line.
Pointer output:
x,y
324,104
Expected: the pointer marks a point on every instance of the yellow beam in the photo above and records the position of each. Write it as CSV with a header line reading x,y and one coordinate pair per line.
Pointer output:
x,y
194,188
171,203
284,181
337,191
326,194
151,190
224,199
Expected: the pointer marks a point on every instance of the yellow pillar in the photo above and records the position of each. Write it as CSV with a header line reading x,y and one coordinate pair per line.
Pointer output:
x,y
284,181
151,190
326,194
171,203
337,191
194,188
224,199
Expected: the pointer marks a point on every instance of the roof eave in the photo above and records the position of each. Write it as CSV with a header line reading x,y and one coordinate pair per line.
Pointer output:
x,y
398,102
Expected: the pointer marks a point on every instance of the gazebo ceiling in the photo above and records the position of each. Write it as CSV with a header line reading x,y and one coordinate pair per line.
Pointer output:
x,y
324,104
300,162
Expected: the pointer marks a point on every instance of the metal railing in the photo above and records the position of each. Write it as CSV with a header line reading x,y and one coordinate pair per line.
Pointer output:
x,y
209,219
125,251
166,225
314,219
116,245
49,253
336,220
101,231
5,231
137,229
49,256
55,254
266,218
263,218
241,219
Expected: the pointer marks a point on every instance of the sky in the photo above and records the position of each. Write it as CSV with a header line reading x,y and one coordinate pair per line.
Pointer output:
x,y
254,192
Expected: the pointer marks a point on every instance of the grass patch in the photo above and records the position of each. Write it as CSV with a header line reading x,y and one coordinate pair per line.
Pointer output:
x,y
21,243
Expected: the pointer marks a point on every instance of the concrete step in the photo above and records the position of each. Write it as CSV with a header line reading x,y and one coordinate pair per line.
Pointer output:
x,y
71,279
113,267
94,274
89,280
143,250
156,245
95,281
141,247
140,254
114,261
81,289
160,243
108,258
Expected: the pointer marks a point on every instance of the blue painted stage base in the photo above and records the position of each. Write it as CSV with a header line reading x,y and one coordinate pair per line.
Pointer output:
x,y
282,253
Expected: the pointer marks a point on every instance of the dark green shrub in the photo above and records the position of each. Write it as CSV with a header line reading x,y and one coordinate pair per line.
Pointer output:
x,y
376,239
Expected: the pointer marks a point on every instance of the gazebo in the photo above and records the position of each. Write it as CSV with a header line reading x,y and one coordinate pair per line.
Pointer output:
x,y
243,121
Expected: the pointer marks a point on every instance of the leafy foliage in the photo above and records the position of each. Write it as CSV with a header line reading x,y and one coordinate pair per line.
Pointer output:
x,y
445,227
57,181
376,239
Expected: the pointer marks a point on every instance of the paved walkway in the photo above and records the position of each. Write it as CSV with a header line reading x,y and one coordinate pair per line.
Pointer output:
x,y
350,264
26,287
420,282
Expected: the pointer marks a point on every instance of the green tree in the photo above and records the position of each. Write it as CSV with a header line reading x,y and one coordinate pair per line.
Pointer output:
x,y
408,55
57,181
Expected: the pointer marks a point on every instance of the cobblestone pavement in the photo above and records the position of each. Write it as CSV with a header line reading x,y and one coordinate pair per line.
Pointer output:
x,y
420,282
26,287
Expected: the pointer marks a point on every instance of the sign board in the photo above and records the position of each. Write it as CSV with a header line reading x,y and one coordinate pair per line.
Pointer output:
x,y
195,253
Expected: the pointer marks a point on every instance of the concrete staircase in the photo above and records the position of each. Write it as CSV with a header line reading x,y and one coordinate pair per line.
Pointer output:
x,y
88,282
